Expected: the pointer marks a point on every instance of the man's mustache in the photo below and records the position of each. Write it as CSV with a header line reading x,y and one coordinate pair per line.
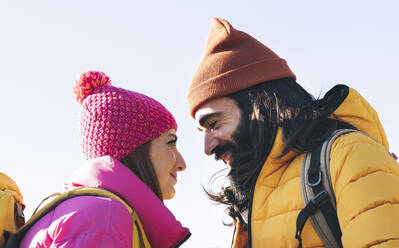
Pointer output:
x,y
222,148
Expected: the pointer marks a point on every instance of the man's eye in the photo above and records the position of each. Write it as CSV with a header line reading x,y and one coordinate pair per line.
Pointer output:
x,y
212,124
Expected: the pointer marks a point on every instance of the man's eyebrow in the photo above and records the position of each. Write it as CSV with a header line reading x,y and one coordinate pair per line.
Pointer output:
x,y
206,117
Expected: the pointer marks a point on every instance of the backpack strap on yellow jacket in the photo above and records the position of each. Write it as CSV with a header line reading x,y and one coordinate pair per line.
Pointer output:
x,y
139,238
318,194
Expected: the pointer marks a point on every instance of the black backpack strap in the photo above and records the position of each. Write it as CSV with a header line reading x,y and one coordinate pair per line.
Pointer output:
x,y
320,201
318,195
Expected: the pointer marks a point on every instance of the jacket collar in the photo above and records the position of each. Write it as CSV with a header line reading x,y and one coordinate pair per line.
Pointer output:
x,y
108,173
358,112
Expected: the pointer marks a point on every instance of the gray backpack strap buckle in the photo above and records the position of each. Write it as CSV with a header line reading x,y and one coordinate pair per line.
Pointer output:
x,y
318,194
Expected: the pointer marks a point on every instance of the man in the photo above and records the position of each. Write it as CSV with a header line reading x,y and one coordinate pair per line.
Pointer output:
x,y
260,122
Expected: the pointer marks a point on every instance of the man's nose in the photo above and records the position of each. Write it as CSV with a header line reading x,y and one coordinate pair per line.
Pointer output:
x,y
210,143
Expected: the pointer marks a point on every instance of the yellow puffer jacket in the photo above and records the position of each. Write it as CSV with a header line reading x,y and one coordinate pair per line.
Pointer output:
x,y
365,179
9,195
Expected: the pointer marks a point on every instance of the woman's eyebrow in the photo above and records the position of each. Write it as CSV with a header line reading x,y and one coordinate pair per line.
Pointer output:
x,y
173,136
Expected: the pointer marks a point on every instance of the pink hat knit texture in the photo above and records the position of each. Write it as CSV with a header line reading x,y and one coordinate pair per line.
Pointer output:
x,y
116,121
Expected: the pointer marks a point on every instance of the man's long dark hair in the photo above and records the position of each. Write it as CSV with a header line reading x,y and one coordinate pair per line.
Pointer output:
x,y
283,103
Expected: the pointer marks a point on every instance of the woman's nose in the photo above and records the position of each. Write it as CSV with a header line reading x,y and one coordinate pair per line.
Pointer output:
x,y
181,164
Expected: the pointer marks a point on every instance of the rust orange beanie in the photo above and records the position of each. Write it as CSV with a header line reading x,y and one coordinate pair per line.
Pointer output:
x,y
233,61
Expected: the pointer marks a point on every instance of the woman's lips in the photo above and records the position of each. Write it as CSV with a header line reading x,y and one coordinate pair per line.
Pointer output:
x,y
174,176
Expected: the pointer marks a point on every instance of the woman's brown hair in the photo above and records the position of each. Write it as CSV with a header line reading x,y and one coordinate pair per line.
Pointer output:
x,y
140,164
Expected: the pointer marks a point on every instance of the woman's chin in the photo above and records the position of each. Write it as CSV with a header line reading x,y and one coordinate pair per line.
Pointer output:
x,y
169,195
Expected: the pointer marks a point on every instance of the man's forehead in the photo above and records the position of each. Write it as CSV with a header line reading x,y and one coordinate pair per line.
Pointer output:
x,y
214,106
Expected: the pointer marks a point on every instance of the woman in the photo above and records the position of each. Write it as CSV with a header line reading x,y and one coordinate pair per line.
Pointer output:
x,y
129,142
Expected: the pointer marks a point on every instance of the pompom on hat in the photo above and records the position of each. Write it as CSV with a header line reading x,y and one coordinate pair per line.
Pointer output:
x,y
115,121
233,61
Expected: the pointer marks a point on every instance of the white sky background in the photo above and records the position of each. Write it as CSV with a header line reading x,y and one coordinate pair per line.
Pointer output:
x,y
154,48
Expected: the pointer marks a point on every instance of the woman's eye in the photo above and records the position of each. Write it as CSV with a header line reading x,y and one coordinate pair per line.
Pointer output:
x,y
172,142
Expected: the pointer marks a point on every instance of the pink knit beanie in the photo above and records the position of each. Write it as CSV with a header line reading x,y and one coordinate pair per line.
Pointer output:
x,y
116,121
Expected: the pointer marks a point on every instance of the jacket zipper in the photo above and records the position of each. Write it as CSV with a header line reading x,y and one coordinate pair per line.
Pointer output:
x,y
251,194
250,212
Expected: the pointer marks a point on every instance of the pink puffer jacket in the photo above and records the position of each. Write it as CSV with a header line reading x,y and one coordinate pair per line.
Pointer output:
x,y
89,221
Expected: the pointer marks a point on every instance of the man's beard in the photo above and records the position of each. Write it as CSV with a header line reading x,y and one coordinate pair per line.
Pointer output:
x,y
242,153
